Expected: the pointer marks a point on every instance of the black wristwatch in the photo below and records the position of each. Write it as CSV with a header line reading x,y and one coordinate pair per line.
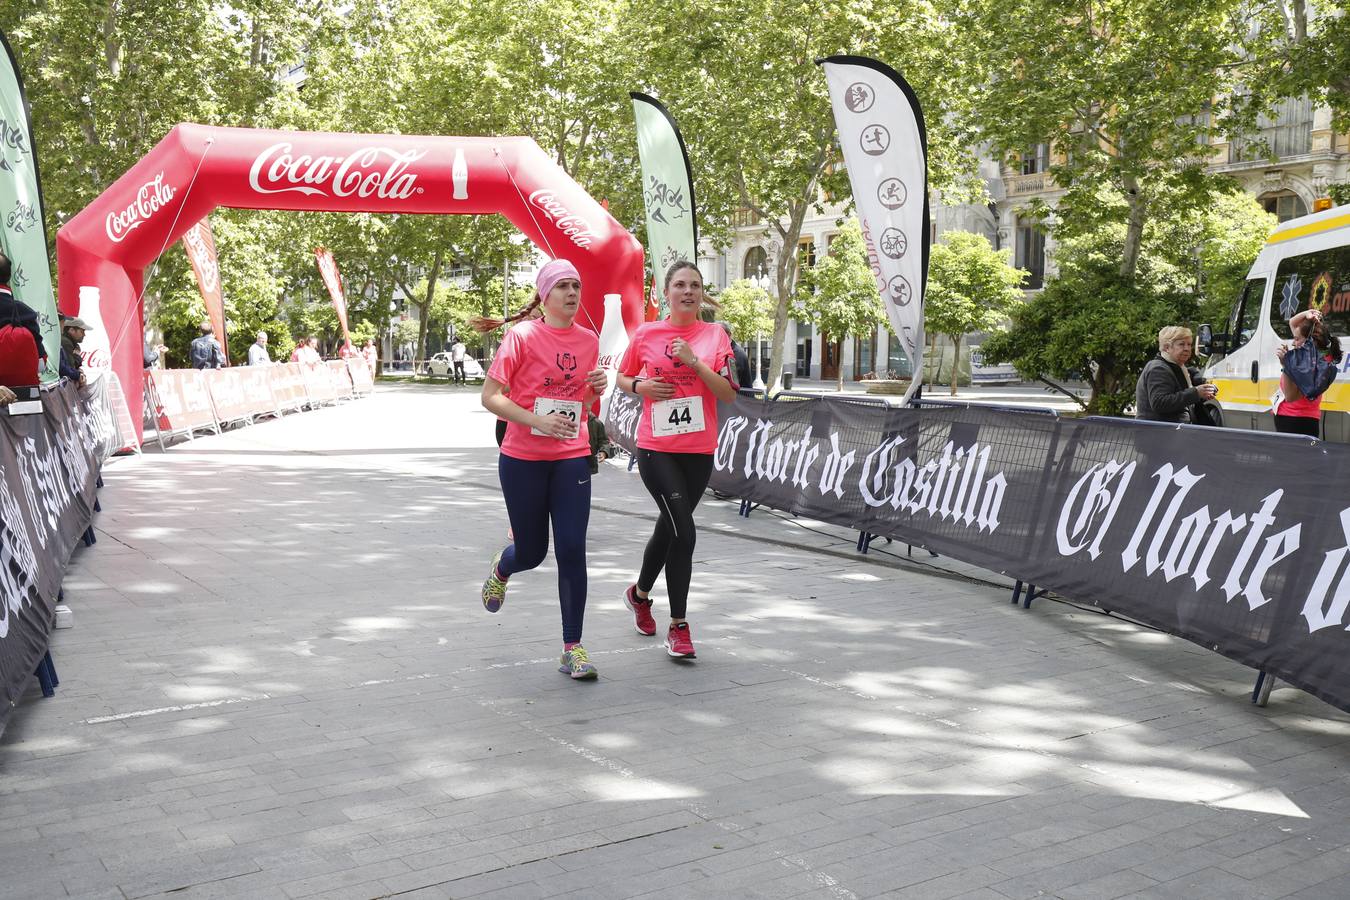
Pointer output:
x,y
636,382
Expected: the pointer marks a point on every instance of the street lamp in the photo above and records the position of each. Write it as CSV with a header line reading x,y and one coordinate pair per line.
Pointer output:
x,y
761,280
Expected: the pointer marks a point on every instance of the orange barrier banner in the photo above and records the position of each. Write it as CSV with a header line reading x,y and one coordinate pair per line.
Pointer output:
x,y
318,383
181,401
227,395
257,387
363,382
288,385
340,378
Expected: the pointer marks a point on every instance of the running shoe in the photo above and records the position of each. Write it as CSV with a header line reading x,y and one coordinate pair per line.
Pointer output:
x,y
494,589
678,642
577,663
641,610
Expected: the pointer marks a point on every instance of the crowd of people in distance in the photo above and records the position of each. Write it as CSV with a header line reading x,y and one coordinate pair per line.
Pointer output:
x,y
205,352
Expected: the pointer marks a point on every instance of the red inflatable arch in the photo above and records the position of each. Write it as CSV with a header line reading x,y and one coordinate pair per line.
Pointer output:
x,y
195,168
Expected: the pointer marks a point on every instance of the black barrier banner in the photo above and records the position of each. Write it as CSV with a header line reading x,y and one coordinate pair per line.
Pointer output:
x,y
49,465
1236,540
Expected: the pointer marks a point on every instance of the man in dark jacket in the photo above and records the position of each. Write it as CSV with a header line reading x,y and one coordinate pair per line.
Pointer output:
x,y
744,377
1168,389
205,351
72,362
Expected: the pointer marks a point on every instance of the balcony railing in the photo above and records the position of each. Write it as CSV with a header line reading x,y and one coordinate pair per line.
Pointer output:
x,y
1022,185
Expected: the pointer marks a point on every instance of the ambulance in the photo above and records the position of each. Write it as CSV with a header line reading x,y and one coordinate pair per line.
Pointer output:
x,y
1304,265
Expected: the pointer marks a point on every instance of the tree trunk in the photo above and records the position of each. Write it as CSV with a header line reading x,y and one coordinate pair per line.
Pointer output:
x,y
424,310
1134,228
956,361
839,370
787,258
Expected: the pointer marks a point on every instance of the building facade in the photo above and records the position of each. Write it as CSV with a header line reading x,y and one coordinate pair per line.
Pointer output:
x,y
1288,166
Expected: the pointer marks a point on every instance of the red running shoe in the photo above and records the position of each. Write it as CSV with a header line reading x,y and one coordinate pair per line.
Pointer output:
x,y
642,611
678,642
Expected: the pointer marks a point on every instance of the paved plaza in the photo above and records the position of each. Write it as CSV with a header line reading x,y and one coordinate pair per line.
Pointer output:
x,y
282,683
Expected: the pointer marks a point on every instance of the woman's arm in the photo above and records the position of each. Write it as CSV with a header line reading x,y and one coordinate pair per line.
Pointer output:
x,y
717,383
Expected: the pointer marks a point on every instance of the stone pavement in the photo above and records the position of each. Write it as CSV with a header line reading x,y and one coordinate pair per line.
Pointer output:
x,y
281,683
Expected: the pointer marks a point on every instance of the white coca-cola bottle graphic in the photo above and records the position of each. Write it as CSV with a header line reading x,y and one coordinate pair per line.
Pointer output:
x,y
459,176
613,343
96,348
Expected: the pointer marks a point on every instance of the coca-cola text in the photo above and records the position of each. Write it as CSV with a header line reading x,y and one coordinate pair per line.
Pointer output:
x,y
152,196
368,172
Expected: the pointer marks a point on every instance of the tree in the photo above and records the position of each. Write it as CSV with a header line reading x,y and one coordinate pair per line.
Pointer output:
x,y
1127,100
839,294
1301,48
740,77
747,308
971,287
1091,323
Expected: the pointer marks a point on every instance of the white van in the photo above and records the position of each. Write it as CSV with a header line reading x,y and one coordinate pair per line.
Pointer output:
x,y
1305,264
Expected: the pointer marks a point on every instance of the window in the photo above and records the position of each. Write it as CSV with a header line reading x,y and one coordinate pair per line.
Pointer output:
x,y
806,253
1286,205
743,217
1286,132
1319,280
803,349
864,356
1246,314
1031,252
897,363
1036,160
756,264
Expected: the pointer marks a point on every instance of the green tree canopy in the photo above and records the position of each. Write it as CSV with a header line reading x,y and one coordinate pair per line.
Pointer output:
x,y
747,308
839,294
1091,323
971,287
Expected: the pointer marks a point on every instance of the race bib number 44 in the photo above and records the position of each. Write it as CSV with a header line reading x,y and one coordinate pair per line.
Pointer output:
x,y
683,415
547,406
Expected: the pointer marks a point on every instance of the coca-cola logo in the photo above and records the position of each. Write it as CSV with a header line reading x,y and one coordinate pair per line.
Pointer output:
x,y
203,260
578,230
152,197
368,172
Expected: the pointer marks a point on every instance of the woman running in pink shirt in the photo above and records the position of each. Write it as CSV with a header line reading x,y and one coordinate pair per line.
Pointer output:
x,y
549,365
680,367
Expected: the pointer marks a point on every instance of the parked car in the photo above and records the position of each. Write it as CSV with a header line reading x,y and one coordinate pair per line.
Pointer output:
x,y
440,366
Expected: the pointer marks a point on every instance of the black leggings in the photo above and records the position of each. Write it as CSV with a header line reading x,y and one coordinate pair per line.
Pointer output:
x,y
1309,425
676,481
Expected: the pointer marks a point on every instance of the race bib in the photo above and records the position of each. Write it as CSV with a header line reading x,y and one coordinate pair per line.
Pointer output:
x,y
683,415
547,406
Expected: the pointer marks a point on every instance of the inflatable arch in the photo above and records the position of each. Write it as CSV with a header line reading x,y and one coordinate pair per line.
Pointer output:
x,y
102,252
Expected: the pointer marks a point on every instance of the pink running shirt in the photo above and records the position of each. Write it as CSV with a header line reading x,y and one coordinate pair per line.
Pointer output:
x,y
538,361
649,354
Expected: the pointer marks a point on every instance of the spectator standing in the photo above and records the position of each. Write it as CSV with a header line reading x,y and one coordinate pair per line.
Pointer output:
x,y
372,356
457,357
1306,371
1168,389
73,331
744,377
309,354
257,351
205,351
18,323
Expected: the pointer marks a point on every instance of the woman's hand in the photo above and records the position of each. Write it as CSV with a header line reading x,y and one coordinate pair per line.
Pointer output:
x,y
597,381
556,425
655,388
683,352
1280,351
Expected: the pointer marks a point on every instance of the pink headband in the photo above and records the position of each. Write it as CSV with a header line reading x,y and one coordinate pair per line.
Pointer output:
x,y
552,273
